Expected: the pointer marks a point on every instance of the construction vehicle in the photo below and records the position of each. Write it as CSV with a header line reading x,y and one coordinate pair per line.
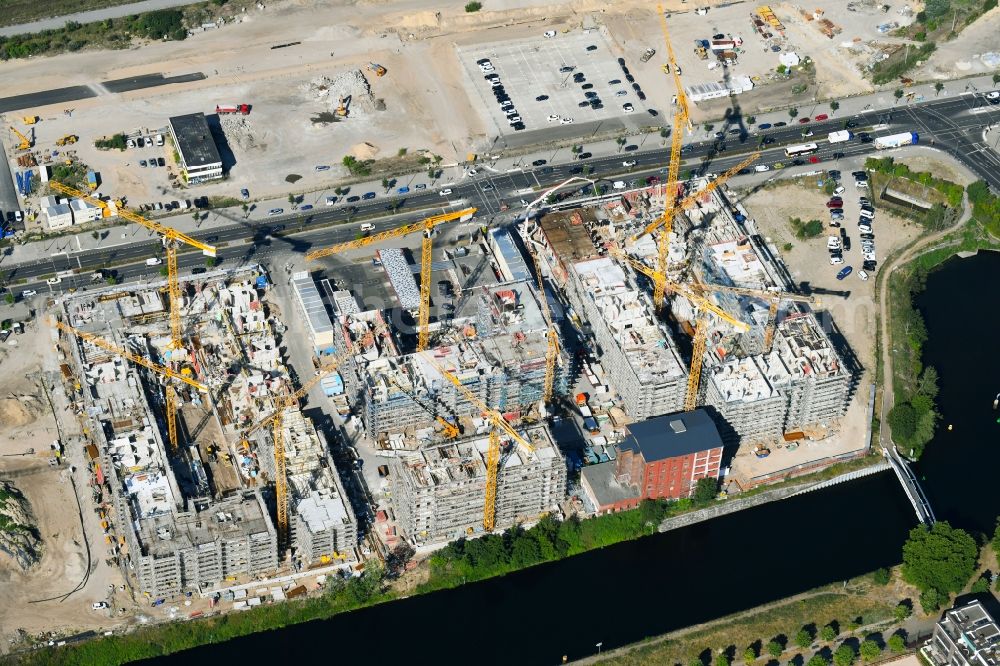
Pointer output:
x,y
427,227
25,144
30,120
379,70
226,109
67,140
170,409
495,451
277,419
170,237
342,109
701,48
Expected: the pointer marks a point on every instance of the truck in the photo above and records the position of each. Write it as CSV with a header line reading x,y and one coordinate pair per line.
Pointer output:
x,y
242,109
896,140
840,137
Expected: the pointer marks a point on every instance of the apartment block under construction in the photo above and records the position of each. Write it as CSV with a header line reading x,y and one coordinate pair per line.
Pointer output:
x,y
438,491
190,518
496,347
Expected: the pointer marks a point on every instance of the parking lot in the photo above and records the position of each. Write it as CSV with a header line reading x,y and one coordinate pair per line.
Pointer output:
x,y
530,69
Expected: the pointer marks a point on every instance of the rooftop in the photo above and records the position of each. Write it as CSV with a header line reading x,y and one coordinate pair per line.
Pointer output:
x,y
195,143
974,632
672,435
606,488
312,303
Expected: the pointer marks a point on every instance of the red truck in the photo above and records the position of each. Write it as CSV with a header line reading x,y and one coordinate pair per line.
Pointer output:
x,y
242,109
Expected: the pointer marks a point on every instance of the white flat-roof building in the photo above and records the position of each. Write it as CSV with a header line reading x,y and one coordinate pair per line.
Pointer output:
x,y
314,313
84,211
196,147
59,216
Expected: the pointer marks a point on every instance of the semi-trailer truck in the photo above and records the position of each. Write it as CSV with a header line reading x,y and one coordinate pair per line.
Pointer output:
x,y
242,109
896,140
840,137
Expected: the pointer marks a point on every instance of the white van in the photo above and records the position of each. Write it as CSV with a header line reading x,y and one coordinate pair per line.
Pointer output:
x,y
367,226
154,261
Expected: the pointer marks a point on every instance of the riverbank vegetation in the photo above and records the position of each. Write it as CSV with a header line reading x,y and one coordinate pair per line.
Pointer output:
x,y
940,561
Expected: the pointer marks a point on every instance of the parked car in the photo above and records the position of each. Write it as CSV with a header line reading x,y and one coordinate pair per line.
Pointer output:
x,y
28,293
822,116
445,192
844,272
549,34
245,193
276,211
306,207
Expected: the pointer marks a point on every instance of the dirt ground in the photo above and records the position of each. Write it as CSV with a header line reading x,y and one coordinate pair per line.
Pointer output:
x,y
976,51
32,600
846,306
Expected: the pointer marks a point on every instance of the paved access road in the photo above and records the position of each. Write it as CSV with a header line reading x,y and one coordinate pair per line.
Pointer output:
x,y
954,125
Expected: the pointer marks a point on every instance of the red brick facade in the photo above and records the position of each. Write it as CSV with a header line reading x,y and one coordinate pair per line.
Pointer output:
x,y
669,478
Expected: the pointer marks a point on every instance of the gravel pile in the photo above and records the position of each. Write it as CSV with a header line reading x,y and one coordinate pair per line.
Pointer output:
x,y
350,85
238,131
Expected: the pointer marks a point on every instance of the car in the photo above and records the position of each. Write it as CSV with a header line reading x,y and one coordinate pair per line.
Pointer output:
x,y
160,161
353,198
445,192
629,163
28,293
861,184
486,186
798,162
868,236
245,193
993,95
584,104
331,200
482,61
565,121
420,186
840,189
587,86
814,160
511,112
821,116
591,48
579,75
865,137
322,167
642,97
621,93
636,87
590,94
576,170
760,168
868,214
367,226
833,242
549,34
836,216
142,163
596,104
735,131
836,259
807,133
868,256
844,272
780,123
864,201
864,228
584,156
869,265
496,83
615,82
835,203
306,207
492,76
628,108
566,69
629,78
152,162
538,163
541,98
851,124
803,121
513,120
99,605
368,195
764,126
630,147
54,280
403,190
276,211
505,103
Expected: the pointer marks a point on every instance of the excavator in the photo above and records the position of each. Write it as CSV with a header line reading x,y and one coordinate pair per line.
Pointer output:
x,y
378,69
342,105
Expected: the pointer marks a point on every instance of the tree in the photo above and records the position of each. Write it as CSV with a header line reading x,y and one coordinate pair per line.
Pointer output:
x,y
112,280
164,271
936,8
401,153
817,660
996,79
709,127
902,611
9,298
938,87
940,558
803,638
903,421
870,650
385,184
898,94
721,659
95,235
246,211
774,648
882,576
828,633
749,655
844,655
793,112
930,600
751,120
897,643
705,490
211,262
291,200
834,105
621,142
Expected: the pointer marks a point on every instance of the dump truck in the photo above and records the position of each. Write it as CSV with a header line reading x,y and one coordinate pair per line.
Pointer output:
x,y
67,140
896,140
839,137
242,109
647,54
30,120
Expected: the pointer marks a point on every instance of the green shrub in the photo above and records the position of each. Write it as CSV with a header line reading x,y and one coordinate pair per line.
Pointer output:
x,y
473,6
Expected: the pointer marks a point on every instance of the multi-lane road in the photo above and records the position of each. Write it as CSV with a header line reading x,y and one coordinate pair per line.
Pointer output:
x,y
954,125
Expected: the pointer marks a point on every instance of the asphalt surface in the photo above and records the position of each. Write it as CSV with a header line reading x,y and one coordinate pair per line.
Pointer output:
x,y
149,81
45,97
954,125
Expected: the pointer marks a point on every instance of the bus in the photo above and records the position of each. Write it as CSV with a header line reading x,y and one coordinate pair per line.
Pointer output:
x,y
804,149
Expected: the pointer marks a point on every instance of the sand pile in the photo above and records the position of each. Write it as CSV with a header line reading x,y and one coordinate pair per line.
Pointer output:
x,y
19,410
352,86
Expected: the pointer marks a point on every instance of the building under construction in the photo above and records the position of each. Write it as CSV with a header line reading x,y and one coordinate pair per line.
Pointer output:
x,y
438,491
189,518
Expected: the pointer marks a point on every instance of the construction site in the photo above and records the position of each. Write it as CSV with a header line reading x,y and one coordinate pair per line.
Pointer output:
x,y
188,472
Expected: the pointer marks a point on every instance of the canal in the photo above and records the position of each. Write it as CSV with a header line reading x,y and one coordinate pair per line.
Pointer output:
x,y
957,470
624,593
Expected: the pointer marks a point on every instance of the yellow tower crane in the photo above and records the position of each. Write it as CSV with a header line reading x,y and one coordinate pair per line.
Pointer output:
x,y
493,452
171,238
277,419
171,396
773,297
689,200
701,324
426,226
25,141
